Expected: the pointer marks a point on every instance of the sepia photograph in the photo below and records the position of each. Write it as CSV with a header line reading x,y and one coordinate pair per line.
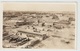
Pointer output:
x,y
39,25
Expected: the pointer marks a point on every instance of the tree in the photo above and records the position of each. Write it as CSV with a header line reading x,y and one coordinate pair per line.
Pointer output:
x,y
43,24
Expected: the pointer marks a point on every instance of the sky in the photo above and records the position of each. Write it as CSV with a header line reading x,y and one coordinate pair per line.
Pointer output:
x,y
37,6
